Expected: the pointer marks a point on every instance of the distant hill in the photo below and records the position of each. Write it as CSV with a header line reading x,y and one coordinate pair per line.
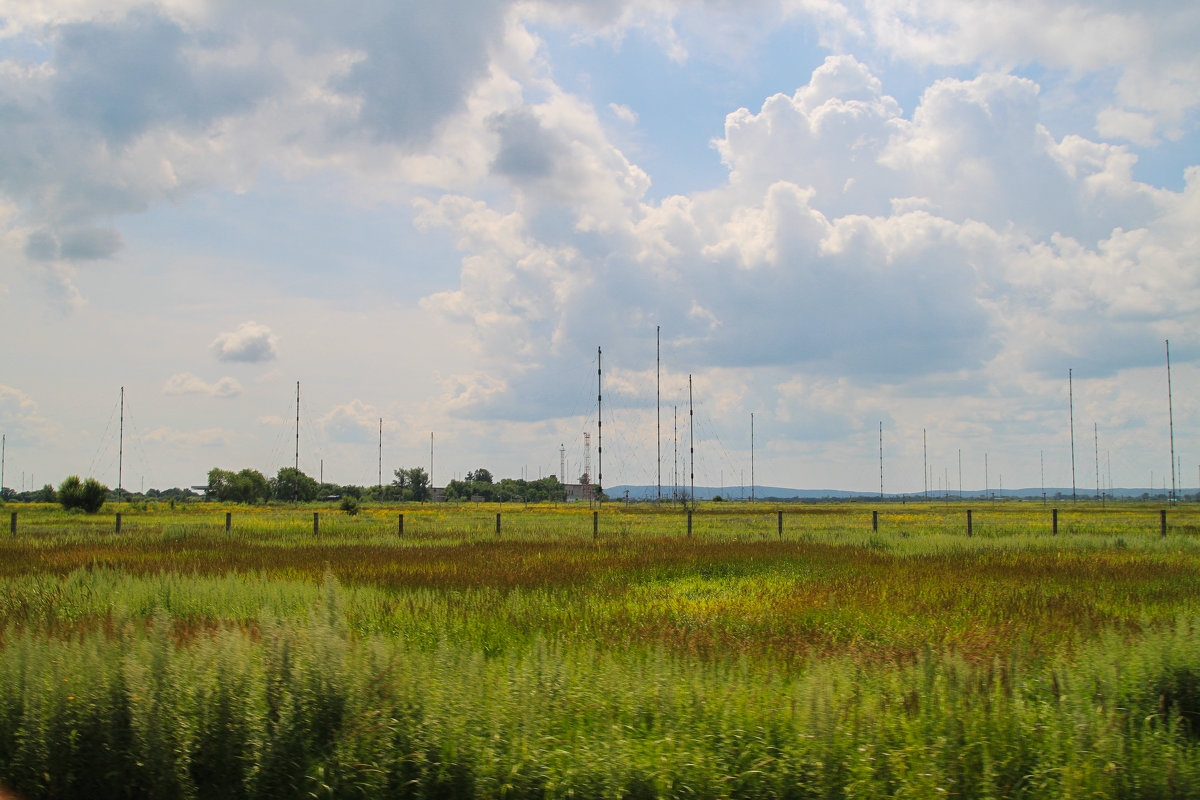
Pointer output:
x,y
781,493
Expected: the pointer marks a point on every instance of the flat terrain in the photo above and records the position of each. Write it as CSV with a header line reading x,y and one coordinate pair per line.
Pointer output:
x,y
773,651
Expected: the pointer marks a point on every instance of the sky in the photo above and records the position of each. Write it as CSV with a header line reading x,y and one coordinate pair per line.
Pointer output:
x,y
951,222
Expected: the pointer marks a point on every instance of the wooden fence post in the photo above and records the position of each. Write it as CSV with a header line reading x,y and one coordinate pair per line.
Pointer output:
x,y
400,532
969,522
780,525
1162,523
316,523
1054,522
228,521
497,523
595,525
118,522
875,521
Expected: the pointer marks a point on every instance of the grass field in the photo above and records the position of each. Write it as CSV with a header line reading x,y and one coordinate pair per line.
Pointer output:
x,y
572,655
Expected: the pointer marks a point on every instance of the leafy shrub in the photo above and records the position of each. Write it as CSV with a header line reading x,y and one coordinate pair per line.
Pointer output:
x,y
349,505
87,495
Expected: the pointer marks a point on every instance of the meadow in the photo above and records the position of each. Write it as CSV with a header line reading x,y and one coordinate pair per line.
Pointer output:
x,y
792,651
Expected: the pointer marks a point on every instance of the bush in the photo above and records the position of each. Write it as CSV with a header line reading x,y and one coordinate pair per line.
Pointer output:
x,y
87,495
350,505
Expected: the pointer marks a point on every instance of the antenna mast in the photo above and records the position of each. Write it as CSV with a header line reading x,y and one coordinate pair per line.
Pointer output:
x,y
1042,461
881,459
562,463
925,456
587,459
381,453
675,473
431,465
599,430
1171,412
751,456
3,441
121,445
1071,399
691,442
658,400
1096,440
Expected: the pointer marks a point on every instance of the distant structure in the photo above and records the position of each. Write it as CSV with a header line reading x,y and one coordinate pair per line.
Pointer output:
x,y
587,457
578,492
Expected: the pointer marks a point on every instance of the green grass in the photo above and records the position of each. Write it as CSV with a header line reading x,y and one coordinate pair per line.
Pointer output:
x,y
176,660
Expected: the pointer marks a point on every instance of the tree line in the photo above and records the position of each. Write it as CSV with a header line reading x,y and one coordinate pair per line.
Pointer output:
x,y
292,485
407,485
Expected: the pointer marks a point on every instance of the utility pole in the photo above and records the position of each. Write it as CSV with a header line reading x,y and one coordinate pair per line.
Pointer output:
x,y
960,473
658,401
881,459
381,455
431,465
3,442
1096,438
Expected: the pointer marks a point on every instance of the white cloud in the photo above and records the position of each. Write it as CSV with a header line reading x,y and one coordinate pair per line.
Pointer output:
x,y
251,342
354,422
849,241
1150,48
186,440
623,113
22,420
187,383
1133,126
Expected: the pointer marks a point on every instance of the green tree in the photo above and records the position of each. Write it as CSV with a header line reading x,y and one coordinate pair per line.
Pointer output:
x,y
247,486
411,484
87,495
480,475
292,484
418,483
252,486
219,482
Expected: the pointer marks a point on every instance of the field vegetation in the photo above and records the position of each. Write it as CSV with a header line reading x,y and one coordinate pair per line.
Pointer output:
x,y
505,650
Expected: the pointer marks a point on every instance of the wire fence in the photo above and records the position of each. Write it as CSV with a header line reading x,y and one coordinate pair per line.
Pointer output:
x,y
443,522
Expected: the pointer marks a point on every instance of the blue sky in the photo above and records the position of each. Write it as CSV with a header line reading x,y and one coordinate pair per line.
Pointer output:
x,y
839,213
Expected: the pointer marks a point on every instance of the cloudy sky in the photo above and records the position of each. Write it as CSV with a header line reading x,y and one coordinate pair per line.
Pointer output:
x,y
841,214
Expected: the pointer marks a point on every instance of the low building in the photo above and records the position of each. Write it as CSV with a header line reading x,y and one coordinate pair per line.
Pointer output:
x,y
578,492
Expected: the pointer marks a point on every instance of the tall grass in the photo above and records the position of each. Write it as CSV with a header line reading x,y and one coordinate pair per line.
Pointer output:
x,y
175,660
303,709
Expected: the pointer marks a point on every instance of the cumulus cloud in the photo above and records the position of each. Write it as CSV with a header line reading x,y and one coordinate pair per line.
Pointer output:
x,y
187,440
250,343
1149,48
354,422
187,383
73,244
22,419
113,113
849,241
